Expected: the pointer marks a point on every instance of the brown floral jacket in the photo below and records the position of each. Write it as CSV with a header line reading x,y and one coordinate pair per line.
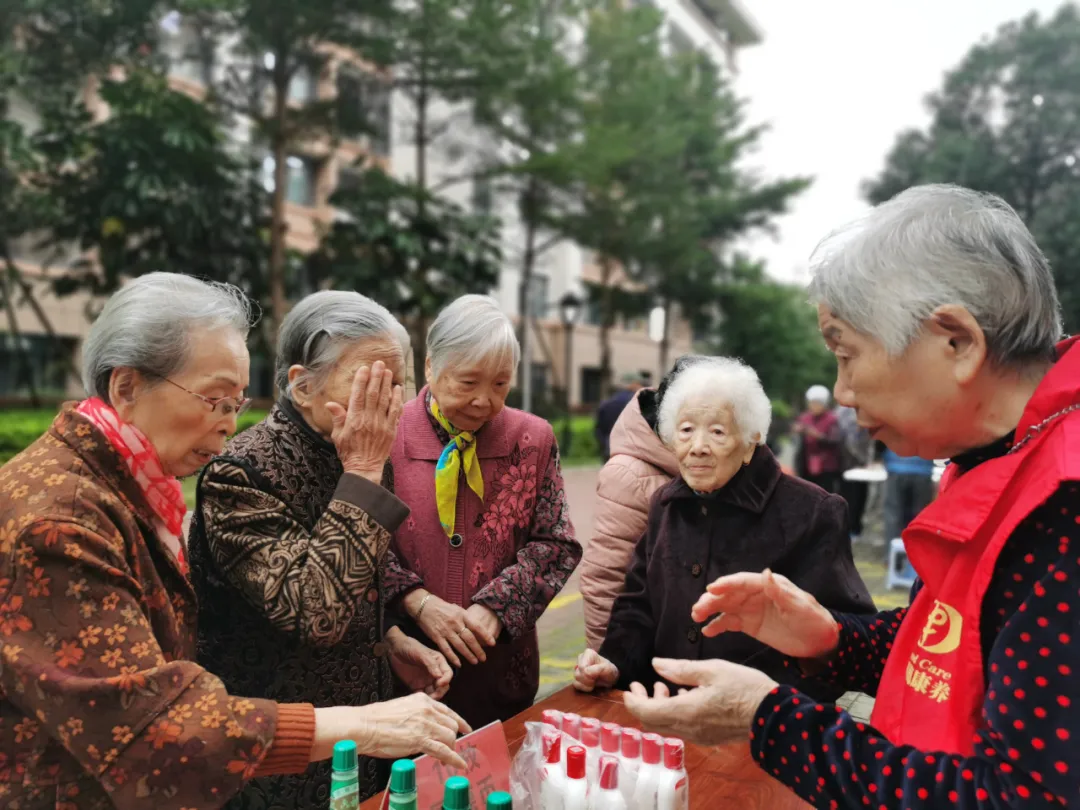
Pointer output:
x,y
101,703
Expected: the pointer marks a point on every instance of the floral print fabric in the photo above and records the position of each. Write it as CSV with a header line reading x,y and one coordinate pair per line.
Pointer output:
x,y
101,704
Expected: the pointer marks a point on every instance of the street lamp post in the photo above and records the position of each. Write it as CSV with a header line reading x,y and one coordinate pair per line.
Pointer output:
x,y
569,311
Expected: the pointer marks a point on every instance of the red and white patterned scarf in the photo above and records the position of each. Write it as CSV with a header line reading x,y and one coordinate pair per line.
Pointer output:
x,y
162,491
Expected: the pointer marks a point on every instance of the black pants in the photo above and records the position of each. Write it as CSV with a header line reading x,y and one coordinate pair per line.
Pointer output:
x,y
856,494
905,497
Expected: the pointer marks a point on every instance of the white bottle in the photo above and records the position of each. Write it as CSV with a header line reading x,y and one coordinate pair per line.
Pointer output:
x,y
673,791
629,762
590,741
576,790
608,796
552,779
649,775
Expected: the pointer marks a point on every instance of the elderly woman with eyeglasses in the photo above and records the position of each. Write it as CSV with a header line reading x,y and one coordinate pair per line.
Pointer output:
x,y
289,543
101,700
489,538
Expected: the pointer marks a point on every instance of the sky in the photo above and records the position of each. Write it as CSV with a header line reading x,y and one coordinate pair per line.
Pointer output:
x,y
836,81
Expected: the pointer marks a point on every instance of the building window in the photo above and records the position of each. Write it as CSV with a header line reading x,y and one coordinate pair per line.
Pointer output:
x,y
348,180
539,380
592,312
47,360
591,386
302,86
301,179
483,196
364,108
539,286
190,54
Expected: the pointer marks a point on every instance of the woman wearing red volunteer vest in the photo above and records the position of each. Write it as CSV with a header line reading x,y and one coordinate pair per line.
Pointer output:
x,y
944,319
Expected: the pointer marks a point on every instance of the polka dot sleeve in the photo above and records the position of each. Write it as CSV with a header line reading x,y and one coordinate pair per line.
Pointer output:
x,y
864,645
1027,753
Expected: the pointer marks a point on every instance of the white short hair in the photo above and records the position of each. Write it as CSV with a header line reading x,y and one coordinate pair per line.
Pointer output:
x,y
472,330
935,245
818,393
147,324
732,383
321,326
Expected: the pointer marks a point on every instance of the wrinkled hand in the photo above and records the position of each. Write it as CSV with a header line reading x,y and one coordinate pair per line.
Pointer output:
x,y
594,672
453,630
420,668
771,609
364,433
718,707
487,620
392,729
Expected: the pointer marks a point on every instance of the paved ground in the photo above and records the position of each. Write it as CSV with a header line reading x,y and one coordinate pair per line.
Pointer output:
x,y
562,628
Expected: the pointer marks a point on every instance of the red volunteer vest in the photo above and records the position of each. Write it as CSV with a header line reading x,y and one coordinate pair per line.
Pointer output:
x,y
932,689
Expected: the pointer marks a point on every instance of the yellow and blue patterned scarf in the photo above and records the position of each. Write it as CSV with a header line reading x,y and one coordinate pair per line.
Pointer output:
x,y
460,452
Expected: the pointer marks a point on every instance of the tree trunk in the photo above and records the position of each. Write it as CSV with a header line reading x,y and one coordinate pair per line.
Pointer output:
x,y
528,209
665,337
607,321
418,335
278,226
20,352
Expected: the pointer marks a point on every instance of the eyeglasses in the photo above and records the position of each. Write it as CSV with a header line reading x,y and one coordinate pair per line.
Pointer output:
x,y
230,406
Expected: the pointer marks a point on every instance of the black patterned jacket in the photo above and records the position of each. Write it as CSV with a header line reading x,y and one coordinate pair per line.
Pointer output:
x,y
288,556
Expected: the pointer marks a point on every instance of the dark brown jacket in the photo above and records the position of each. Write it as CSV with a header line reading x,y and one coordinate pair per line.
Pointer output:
x,y
288,556
101,702
761,519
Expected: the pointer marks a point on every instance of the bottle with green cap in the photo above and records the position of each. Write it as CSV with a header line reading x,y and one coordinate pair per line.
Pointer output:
x,y
456,794
499,801
403,785
344,777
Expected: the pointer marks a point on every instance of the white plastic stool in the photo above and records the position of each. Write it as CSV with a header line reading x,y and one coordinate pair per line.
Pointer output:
x,y
900,573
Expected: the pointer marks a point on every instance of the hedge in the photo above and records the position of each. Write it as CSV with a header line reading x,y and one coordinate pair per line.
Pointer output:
x,y
19,428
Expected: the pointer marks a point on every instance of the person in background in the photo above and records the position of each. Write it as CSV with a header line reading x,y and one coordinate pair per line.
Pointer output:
x,y
943,316
820,441
856,451
730,509
639,465
103,703
489,539
610,409
909,488
289,544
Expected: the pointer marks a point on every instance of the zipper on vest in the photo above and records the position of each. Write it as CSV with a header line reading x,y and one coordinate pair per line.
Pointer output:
x,y
455,569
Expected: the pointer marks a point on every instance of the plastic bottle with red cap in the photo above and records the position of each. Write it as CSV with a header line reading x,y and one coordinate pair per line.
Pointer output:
x,y
590,741
629,761
553,718
648,779
576,791
607,795
552,778
673,789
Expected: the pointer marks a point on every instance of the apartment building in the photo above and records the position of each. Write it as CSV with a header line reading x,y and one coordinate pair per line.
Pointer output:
x,y
718,27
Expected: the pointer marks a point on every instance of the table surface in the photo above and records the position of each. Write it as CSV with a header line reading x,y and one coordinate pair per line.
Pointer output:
x,y
722,774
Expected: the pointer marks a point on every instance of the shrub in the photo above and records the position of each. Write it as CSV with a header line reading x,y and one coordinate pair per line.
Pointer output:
x,y
20,428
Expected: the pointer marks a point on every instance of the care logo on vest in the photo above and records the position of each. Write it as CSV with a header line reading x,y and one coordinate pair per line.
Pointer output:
x,y
940,636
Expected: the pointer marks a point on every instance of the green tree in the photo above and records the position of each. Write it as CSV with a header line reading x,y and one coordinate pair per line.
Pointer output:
x,y
773,328
150,187
49,53
414,254
707,198
279,55
1007,120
